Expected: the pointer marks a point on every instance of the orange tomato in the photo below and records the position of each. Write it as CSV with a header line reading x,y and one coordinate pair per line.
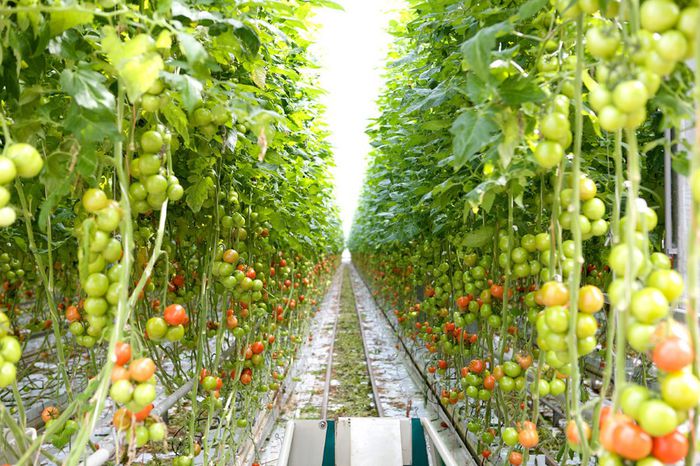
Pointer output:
x,y
50,412
122,353
631,442
142,369
572,432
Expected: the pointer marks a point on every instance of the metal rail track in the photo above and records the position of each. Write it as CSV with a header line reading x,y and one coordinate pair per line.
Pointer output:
x,y
368,361
447,417
329,361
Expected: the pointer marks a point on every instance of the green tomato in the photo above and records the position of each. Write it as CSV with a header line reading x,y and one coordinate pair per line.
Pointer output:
x,y
141,435
659,15
157,431
557,387
681,390
26,159
649,305
156,328
121,391
144,394
151,141
512,369
8,171
8,374
548,154
657,418
509,436
632,398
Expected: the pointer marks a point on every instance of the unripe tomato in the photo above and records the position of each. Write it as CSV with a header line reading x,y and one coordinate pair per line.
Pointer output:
x,y
26,159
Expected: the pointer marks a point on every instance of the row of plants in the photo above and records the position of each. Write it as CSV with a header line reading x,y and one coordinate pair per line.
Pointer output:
x,y
167,215
512,221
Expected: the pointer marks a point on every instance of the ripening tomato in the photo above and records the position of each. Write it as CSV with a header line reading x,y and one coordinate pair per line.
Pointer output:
x,y
122,419
552,293
476,366
257,347
572,432
673,354
119,373
122,353
142,369
515,458
49,413
590,299
630,441
528,438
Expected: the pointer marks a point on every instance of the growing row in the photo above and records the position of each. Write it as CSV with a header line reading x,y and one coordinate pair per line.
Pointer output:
x,y
174,225
511,221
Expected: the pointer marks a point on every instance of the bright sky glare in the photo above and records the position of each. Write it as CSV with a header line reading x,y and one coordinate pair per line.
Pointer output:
x,y
351,46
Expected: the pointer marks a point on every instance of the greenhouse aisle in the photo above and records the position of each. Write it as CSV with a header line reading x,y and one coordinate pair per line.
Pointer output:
x,y
400,389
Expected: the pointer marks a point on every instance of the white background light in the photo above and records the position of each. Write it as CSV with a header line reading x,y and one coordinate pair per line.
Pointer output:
x,y
352,46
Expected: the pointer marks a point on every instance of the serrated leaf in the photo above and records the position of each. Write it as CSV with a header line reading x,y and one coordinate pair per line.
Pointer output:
x,y
86,87
477,50
190,89
57,178
479,237
471,132
198,192
516,90
90,126
178,120
136,61
193,51
530,8
61,21
249,38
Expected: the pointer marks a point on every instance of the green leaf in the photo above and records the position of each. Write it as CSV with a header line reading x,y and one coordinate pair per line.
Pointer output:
x,y
177,118
479,237
193,51
136,61
197,193
190,89
517,90
57,179
477,50
61,21
471,132
249,38
90,126
87,88
530,8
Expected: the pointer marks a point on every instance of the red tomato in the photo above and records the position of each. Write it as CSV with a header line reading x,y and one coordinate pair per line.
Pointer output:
x,y
476,366
175,314
497,291
257,347
670,448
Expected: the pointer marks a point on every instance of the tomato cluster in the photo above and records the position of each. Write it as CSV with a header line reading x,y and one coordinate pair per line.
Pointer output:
x,y
155,182
18,159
